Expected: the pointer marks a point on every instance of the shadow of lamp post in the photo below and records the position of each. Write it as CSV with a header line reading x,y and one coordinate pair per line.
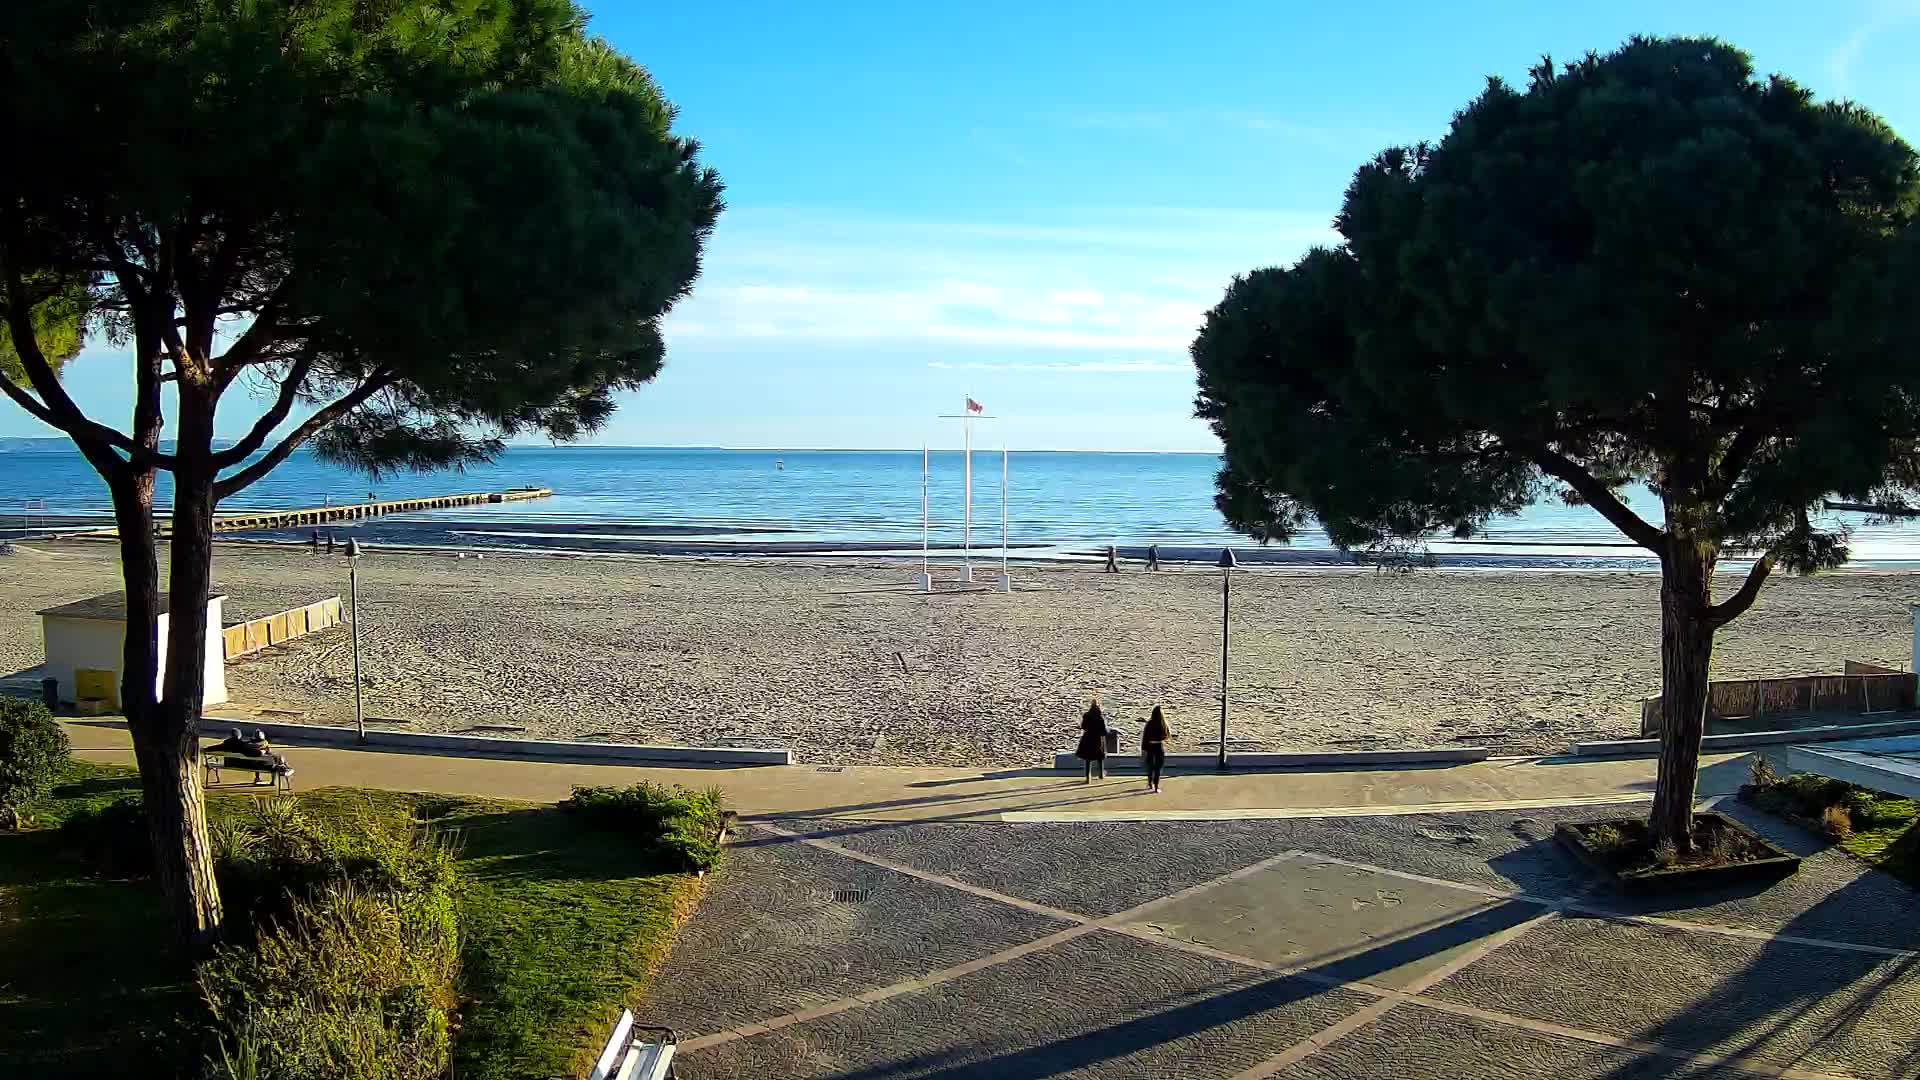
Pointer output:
x,y
353,596
1227,563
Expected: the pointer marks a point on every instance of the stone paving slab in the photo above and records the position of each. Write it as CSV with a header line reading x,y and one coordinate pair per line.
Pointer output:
x,y
1339,921
1092,869
770,938
1783,1003
1101,1006
1420,1043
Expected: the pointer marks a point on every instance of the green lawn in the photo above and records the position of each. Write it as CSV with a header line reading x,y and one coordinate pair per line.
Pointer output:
x,y
1884,832
561,926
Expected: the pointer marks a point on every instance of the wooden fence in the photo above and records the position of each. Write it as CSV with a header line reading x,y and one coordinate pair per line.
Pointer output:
x,y
1751,703
250,637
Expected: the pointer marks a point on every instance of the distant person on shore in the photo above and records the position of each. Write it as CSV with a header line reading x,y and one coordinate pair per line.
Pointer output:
x,y
1093,741
1153,747
1153,557
1113,559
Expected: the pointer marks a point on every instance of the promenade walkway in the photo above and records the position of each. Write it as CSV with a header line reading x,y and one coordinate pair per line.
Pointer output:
x,y
904,794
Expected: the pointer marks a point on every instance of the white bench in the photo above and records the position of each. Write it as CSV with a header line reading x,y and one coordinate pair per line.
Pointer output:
x,y
635,1052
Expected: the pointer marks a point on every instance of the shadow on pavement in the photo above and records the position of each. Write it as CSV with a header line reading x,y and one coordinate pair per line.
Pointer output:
x,y
1126,1037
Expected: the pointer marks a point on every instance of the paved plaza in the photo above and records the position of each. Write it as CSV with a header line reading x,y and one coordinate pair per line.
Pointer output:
x,y
1457,945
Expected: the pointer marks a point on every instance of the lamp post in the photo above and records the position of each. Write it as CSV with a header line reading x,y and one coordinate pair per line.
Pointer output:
x,y
1227,563
353,594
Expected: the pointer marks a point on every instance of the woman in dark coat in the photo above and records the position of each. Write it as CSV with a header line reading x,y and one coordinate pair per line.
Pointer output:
x,y
1153,747
1093,741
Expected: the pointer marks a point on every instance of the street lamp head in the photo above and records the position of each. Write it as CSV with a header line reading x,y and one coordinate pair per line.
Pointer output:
x,y
353,548
1227,561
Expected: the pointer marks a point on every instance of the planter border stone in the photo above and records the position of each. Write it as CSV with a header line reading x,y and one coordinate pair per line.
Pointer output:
x,y
1779,864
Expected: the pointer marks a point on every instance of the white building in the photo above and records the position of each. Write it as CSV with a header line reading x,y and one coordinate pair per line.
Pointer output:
x,y
86,640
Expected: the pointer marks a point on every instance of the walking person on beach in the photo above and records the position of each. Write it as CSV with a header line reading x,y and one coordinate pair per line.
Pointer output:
x,y
1093,741
1153,747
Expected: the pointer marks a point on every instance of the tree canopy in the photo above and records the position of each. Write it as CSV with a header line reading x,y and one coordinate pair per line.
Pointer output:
x,y
1648,266
414,228
428,224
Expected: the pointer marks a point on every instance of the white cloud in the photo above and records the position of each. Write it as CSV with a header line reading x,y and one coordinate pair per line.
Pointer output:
x,y
1132,281
1886,16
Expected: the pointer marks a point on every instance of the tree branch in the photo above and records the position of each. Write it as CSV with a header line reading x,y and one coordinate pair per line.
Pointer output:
x,y
55,408
1598,496
1745,443
1733,606
241,480
282,405
257,336
28,402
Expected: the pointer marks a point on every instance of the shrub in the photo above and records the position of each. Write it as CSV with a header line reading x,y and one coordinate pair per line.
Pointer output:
x,y
1604,837
1837,822
680,825
33,749
273,855
350,985
112,837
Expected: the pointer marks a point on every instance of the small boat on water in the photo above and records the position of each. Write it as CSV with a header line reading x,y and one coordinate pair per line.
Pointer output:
x,y
779,465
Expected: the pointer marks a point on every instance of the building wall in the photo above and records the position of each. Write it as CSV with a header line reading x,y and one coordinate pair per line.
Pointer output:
x,y
99,644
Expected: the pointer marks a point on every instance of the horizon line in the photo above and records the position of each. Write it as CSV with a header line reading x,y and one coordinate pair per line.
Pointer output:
x,y
834,449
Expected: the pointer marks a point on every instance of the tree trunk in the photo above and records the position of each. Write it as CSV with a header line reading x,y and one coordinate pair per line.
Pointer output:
x,y
1686,655
170,769
166,750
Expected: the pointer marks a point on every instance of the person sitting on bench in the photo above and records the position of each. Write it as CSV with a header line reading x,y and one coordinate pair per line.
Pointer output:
x,y
256,749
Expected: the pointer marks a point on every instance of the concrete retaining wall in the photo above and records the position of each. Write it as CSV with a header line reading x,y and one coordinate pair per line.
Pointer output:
x,y
1716,743
1353,759
430,743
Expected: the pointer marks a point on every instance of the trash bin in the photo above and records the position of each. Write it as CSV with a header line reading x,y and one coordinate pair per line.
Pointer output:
x,y
50,693
1113,741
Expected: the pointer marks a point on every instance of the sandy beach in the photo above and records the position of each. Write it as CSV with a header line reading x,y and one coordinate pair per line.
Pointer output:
x,y
846,664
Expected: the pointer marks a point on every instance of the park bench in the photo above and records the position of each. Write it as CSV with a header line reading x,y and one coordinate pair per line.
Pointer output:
x,y
635,1052
278,772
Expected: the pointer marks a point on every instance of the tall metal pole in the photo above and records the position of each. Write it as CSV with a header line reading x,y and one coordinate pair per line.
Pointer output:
x,y
353,591
966,540
1226,606
926,521
1003,511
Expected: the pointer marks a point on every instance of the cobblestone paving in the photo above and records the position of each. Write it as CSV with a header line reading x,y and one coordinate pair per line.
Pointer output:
x,y
1307,948
1409,1043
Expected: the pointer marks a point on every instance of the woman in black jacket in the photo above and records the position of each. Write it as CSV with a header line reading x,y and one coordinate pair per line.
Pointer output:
x,y
1093,741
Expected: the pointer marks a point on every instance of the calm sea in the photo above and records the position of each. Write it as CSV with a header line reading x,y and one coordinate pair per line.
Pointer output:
x,y
613,499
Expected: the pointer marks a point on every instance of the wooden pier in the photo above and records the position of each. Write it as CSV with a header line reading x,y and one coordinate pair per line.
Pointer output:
x,y
322,515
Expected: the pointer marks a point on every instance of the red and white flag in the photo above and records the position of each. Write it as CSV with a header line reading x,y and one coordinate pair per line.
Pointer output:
x,y
974,406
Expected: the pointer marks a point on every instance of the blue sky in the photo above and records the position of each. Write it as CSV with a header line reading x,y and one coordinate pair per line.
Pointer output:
x,y
1035,203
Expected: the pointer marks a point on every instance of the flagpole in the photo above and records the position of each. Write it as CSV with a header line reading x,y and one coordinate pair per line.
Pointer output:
x,y
926,521
966,539
1005,584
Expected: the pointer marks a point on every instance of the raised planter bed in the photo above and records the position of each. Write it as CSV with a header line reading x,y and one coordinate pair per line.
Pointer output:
x,y
1725,852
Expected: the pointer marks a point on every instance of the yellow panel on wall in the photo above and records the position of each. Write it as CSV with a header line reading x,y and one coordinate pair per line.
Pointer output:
x,y
234,640
276,628
96,684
